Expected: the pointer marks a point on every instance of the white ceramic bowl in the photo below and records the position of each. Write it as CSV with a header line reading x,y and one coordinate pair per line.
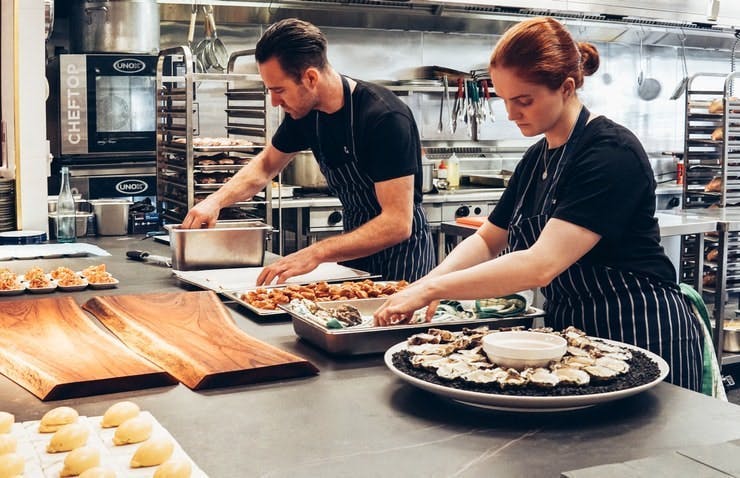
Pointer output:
x,y
523,349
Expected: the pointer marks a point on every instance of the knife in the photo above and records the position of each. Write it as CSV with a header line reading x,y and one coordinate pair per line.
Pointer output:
x,y
145,256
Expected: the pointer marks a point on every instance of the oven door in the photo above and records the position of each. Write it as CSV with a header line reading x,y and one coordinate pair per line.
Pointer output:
x,y
107,104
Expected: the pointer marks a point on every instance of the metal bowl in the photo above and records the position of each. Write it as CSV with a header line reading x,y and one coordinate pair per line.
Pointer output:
x,y
731,342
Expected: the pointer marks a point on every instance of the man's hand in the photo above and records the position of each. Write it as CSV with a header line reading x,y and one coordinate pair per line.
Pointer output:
x,y
203,214
400,307
291,265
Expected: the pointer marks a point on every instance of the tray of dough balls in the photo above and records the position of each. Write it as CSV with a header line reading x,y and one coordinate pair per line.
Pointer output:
x,y
124,442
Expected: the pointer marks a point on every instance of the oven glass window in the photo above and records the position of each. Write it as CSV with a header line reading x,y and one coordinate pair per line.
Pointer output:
x,y
124,103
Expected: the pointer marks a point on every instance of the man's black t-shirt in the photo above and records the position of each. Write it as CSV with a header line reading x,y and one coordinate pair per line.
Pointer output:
x,y
607,187
386,139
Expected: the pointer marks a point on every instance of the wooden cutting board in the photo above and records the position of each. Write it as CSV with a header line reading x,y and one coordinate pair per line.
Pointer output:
x,y
475,221
193,337
54,350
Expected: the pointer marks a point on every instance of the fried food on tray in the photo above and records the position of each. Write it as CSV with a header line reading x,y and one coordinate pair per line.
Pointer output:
x,y
37,278
268,299
66,277
97,275
9,280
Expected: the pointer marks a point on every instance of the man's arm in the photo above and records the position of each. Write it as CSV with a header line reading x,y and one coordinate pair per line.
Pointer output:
x,y
242,186
391,226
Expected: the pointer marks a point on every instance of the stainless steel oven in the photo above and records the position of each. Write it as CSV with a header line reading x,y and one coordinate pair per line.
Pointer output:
x,y
102,106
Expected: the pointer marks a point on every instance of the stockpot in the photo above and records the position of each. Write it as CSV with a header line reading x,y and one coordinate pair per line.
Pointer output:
x,y
304,171
427,169
115,26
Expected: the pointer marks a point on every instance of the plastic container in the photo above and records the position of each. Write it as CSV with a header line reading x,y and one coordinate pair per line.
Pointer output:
x,y
453,172
111,216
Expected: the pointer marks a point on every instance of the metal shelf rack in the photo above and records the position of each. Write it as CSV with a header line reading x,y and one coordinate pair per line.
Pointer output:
x,y
190,168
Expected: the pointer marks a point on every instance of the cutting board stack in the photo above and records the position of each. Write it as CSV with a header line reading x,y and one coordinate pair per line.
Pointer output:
x,y
53,349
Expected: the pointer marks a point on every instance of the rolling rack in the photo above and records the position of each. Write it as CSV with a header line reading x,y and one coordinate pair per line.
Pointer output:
x,y
712,180
189,168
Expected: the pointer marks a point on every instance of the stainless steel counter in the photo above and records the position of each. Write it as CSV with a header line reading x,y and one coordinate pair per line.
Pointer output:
x,y
482,194
357,419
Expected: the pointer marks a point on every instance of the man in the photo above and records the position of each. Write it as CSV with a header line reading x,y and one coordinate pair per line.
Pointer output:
x,y
367,145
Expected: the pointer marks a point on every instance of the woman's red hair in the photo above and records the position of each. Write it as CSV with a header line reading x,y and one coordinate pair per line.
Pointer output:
x,y
543,52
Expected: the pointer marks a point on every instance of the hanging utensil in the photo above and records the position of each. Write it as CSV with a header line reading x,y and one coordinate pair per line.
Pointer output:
x,y
217,54
200,64
647,88
681,87
457,113
487,102
197,64
607,77
446,96
440,124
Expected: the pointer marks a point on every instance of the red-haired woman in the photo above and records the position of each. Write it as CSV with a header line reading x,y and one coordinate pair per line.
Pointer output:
x,y
578,216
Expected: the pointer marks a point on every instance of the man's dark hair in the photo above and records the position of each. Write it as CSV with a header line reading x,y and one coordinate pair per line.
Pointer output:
x,y
295,44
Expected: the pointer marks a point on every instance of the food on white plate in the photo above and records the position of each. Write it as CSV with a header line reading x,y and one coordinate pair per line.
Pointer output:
x,y
66,277
133,430
98,472
56,418
119,413
97,275
68,438
152,452
175,468
11,465
6,422
36,278
9,280
80,460
8,443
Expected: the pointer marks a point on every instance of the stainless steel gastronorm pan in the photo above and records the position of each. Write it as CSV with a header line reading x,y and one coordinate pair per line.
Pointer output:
x,y
229,244
366,340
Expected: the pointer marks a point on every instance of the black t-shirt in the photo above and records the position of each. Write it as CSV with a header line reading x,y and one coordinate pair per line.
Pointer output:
x,y
607,187
386,139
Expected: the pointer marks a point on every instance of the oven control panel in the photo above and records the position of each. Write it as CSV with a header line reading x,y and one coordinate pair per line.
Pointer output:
x,y
325,219
452,211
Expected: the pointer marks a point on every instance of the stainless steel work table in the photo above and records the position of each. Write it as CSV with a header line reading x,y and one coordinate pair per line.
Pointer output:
x,y
357,419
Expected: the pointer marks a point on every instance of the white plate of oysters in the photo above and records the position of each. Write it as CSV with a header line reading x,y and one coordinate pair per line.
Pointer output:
x,y
484,371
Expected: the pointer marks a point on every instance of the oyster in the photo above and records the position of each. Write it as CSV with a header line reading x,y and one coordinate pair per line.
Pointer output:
x,y
444,335
577,351
600,372
509,378
433,349
481,376
572,376
618,366
607,348
426,360
455,369
578,361
541,377
423,338
624,356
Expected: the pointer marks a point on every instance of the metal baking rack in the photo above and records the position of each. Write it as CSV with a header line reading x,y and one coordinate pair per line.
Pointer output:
x,y
181,180
708,158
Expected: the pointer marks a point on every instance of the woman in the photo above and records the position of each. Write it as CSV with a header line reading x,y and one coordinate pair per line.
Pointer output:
x,y
577,217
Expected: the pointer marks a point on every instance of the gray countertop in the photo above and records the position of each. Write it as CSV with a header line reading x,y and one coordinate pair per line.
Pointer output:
x,y
356,419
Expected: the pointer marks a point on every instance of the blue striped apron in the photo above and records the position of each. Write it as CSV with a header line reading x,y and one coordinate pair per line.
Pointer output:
x,y
610,303
410,259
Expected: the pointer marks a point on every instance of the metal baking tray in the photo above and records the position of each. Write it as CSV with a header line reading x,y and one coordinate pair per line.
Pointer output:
x,y
363,339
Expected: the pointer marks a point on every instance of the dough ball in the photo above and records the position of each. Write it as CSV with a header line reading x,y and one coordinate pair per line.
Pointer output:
x,y
79,460
11,465
119,413
6,422
68,438
152,452
177,468
717,106
133,430
98,472
718,134
55,418
8,444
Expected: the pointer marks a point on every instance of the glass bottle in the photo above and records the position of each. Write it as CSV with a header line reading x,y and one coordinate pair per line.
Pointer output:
x,y
66,211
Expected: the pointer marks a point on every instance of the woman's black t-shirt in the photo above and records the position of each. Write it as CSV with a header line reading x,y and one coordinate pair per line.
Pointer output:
x,y
386,139
607,187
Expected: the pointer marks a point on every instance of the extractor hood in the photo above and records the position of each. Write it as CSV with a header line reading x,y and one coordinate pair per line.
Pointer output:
x,y
655,22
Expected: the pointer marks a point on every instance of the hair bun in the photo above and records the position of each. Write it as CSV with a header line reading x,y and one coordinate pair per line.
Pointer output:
x,y
589,58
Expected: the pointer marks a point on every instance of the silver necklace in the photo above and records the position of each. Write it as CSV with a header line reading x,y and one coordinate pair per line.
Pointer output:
x,y
546,161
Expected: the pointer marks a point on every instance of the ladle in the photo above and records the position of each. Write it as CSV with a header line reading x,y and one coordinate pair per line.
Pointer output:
x,y
647,88
216,51
681,87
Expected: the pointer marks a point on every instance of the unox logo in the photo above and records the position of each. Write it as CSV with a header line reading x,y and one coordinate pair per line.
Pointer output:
x,y
132,186
129,65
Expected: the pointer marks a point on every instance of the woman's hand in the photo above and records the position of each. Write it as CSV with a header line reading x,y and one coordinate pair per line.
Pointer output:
x,y
400,307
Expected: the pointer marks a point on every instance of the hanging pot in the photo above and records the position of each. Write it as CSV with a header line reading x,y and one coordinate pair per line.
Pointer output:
x,y
115,26
304,171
